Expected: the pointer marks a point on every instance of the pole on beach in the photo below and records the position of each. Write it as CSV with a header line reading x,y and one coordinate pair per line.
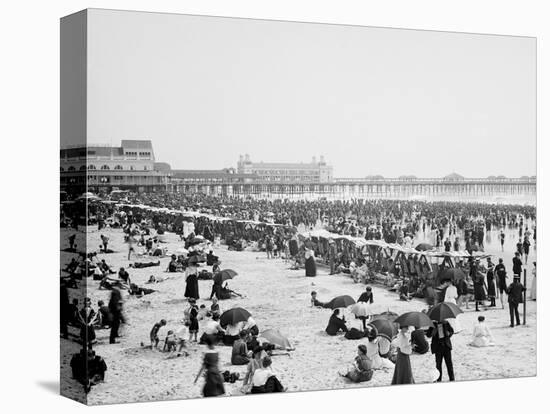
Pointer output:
x,y
524,296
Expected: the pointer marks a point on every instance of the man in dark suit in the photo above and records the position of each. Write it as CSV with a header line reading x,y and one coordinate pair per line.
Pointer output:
x,y
441,346
515,297
517,264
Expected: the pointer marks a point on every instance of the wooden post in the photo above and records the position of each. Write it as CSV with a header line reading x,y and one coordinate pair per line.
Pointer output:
x,y
524,296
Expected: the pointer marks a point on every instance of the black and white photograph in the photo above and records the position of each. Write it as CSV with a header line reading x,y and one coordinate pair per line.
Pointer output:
x,y
258,206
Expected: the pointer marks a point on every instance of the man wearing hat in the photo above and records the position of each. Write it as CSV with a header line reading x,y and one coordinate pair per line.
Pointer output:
x,y
515,297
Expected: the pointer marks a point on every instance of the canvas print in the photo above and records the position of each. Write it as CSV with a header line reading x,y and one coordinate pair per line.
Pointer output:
x,y
252,206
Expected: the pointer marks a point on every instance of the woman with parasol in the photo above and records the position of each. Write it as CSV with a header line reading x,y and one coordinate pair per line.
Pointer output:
x,y
402,373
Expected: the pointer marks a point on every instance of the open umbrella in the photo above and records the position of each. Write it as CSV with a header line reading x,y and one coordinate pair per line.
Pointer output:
x,y
389,315
452,273
234,316
361,309
224,275
193,260
416,319
444,310
385,328
195,241
422,247
273,336
341,302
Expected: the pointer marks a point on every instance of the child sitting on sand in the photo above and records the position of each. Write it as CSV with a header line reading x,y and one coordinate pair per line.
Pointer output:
x,y
174,343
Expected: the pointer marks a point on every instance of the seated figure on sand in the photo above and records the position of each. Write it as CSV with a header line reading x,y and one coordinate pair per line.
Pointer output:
x,y
362,368
239,354
264,380
482,335
373,351
336,324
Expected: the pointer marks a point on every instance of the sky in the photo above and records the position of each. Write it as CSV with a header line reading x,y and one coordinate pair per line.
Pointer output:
x,y
371,100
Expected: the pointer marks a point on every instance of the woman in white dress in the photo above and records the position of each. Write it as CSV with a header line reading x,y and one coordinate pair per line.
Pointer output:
x,y
451,295
482,336
373,352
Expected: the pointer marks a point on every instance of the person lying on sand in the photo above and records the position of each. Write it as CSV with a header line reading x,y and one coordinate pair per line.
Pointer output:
x,y
316,303
138,265
108,283
139,291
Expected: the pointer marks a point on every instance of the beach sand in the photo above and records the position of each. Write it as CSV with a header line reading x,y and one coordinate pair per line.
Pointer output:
x,y
277,298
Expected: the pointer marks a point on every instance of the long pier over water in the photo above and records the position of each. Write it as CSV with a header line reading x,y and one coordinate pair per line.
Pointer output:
x,y
480,189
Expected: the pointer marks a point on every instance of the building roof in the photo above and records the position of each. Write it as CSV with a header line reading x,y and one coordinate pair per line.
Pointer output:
x,y
136,144
453,176
285,165
209,174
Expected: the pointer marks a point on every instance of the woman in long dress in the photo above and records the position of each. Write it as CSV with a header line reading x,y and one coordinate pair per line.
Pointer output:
x,y
481,336
534,282
311,266
402,373
479,289
451,295
491,286
373,352
213,381
191,282
87,318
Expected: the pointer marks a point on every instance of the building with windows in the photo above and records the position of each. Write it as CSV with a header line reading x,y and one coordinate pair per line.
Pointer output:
x,y
313,172
105,168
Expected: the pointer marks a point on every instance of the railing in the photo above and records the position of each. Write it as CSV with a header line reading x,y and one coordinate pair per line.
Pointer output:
x,y
432,180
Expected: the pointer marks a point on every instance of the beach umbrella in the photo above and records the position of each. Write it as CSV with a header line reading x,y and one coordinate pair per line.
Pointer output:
x,y
384,327
389,315
273,336
361,309
234,316
452,273
224,275
416,319
444,310
422,247
341,302
195,241
193,260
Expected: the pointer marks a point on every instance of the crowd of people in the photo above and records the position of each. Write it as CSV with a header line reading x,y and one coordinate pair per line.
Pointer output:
x,y
280,229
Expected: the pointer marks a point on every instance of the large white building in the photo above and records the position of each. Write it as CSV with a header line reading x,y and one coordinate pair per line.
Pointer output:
x,y
104,167
312,172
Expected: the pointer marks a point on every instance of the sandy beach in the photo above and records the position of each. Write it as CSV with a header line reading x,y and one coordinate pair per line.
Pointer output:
x,y
277,297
